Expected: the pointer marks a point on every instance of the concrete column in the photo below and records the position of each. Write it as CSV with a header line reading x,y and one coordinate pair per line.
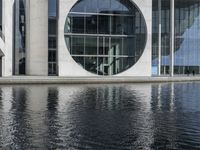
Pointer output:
x,y
37,37
172,37
159,37
7,60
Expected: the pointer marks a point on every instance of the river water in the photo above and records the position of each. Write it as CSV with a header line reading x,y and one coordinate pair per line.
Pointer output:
x,y
100,117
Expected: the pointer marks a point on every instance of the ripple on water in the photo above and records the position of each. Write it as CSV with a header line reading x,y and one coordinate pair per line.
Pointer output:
x,y
127,116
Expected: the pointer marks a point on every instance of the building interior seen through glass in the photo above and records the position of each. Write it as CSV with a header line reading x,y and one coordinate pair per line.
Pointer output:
x,y
52,37
187,39
105,37
19,41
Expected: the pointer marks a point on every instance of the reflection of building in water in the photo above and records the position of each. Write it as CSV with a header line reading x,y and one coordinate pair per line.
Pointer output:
x,y
107,110
163,102
5,121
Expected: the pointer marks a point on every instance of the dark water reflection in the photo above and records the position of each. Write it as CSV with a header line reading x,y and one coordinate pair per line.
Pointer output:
x,y
118,117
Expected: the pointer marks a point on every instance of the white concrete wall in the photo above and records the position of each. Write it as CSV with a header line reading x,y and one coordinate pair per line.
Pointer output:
x,y
68,67
37,37
7,28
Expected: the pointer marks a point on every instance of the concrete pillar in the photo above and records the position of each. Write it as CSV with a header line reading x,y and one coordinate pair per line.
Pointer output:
x,y
7,28
37,37
172,37
159,36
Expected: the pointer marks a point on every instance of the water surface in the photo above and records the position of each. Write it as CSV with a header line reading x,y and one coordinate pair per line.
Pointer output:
x,y
100,117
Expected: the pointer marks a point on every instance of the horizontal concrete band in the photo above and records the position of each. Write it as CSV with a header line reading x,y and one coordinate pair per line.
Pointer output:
x,y
93,80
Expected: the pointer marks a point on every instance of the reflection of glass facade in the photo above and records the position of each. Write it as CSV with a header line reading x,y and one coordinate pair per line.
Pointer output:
x,y
105,37
19,45
187,36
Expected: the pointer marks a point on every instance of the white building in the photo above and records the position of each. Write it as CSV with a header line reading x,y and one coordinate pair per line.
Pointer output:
x,y
99,37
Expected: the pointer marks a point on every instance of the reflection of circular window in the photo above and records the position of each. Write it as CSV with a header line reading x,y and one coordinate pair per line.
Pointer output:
x,y
105,37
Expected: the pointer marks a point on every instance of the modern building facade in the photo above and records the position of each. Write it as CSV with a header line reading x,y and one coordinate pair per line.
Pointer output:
x,y
99,37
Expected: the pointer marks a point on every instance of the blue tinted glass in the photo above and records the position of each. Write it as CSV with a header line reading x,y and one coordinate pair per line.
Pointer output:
x,y
104,6
52,8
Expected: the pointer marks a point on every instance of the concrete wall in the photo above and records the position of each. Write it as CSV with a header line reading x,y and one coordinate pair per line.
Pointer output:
x,y
7,60
68,67
37,37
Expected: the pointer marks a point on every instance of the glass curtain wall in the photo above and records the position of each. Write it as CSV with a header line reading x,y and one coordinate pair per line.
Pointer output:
x,y
52,38
19,41
165,36
187,37
105,37
155,35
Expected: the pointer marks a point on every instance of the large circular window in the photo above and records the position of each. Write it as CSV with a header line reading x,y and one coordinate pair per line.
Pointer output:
x,y
105,37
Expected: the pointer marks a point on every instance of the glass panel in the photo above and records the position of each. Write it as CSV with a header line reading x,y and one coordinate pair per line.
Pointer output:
x,y
77,45
116,46
52,26
104,6
85,6
104,24
92,6
77,22
187,39
52,8
91,24
129,26
20,37
90,46
104,46
117,25
52,42
130,47
155,37
116,6
91,64
52,56
52,68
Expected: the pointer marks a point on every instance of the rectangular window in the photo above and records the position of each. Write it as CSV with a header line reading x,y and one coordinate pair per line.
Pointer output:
x,y
52,37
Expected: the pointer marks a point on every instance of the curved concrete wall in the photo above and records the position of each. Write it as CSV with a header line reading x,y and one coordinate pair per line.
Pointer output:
x,y
68,67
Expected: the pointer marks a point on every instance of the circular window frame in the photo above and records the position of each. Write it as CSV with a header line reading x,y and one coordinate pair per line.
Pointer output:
x,y
124,70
